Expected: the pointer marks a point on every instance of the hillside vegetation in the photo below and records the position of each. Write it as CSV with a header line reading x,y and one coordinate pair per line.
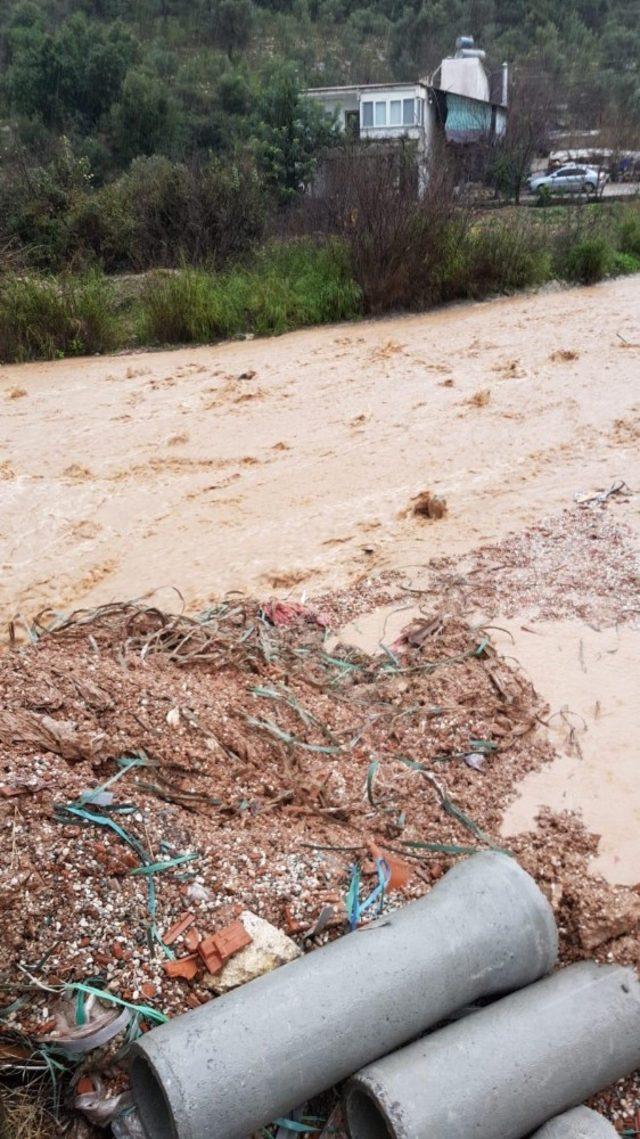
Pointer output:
x,y
146,135
186,78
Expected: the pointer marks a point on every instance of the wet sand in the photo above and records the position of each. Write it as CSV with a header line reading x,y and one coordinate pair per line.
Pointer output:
x,y
283,466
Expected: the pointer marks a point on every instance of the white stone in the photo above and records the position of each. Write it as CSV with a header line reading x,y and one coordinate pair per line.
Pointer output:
x,y
269,949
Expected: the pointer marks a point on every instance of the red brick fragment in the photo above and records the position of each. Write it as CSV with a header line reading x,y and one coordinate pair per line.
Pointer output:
x,y
179,927
148,989
185,967
292,925
84,1086
47,1026
209,954
231,940
401,872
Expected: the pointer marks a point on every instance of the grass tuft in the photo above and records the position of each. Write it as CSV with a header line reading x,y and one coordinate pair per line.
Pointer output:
x,y
287,286
45,318
587,261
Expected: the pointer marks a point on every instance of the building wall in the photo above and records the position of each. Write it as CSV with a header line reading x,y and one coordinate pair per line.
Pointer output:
x,y
465,77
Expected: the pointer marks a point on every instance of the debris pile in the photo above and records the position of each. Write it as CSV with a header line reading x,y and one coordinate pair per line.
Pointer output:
x,y
186,801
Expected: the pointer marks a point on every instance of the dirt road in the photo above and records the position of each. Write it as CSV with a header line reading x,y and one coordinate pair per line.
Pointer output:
x,y
280,464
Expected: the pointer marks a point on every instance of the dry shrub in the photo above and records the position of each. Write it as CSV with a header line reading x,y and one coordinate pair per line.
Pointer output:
x,y
25,1112
399,235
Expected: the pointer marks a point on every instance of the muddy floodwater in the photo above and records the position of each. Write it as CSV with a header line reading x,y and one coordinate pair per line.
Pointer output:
x,y
590,680
288,466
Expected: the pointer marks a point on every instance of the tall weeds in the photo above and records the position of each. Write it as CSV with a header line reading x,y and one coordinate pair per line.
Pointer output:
x,y
286,287
378,247
44,318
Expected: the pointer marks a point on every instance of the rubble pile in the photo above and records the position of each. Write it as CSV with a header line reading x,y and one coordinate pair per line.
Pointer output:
x,y
186,802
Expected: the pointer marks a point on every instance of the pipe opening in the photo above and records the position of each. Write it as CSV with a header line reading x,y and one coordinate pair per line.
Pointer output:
x,y
364,1117
151,1102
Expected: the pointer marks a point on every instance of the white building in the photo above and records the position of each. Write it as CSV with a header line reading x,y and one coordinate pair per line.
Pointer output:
x,y
459,109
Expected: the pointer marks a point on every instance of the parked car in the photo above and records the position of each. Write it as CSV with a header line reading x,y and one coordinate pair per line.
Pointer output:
x,y
570,179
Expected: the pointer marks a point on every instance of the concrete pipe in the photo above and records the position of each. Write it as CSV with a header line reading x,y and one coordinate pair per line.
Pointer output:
x,y
235,1064
581,1123
507,1069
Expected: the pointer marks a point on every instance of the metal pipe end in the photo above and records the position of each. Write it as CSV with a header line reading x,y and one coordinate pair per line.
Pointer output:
x,y
153,1106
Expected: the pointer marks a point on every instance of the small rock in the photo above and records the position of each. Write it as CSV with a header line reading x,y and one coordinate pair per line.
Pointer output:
x,y
615,916
269,948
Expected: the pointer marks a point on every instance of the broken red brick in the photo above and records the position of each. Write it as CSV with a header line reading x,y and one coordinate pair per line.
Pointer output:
x,y
84,1086
193,1000
185,967
210,955
148,989
231,940
179,927
291,923
401,872
46,1027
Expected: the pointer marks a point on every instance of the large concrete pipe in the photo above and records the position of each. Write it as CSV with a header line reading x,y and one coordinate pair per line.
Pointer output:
x,y
581,1123
507,1069
235,1064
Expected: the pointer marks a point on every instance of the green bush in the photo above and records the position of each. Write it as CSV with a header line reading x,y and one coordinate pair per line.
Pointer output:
x,y
543,196
46,318
624,263
287,286
493,257
587,260
503,258
165,214
629,237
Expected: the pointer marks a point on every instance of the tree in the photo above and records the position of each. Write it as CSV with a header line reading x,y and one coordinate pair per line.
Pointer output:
x,y
528,125
72,75
232,25
291,131
144,120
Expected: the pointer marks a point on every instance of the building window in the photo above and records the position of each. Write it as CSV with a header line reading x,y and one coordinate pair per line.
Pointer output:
x,y
381,114
395,113
408,112
367,114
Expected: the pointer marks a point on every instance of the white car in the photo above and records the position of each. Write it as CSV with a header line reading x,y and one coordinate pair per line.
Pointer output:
x,y
570,179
